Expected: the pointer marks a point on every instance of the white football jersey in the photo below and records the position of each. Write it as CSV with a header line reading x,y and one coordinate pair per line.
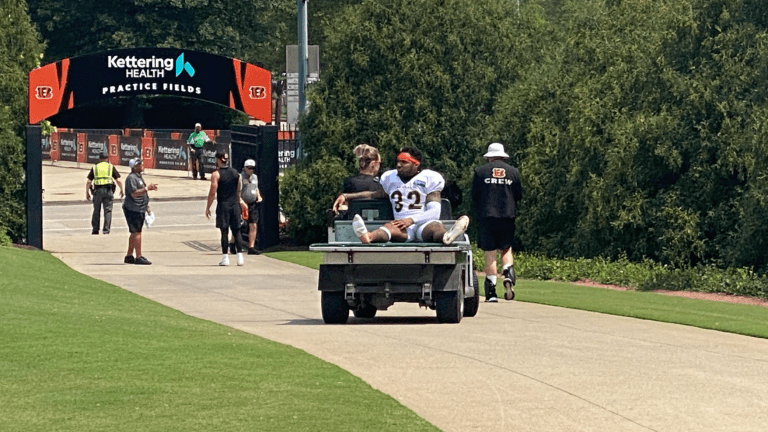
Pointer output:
x,y
410,198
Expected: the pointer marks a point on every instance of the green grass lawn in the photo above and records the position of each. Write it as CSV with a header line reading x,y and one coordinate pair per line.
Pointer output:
x,y
735,318
78,354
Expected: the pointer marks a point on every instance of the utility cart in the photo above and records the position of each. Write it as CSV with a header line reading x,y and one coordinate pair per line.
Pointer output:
x,y
366,278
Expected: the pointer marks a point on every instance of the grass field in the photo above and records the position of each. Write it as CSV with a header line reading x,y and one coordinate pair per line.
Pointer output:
x,y
78,354
735,318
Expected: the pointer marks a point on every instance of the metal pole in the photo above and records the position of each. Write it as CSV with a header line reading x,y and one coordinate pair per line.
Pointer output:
x,y
34,178
303,63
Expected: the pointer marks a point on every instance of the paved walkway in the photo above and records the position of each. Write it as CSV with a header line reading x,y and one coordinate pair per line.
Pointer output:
x,y
514,367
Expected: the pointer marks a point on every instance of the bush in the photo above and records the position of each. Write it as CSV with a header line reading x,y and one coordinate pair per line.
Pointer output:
x,y
641,276
307,191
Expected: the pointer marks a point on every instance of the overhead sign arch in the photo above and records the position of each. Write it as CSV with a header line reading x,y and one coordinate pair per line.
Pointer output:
x,y
75,81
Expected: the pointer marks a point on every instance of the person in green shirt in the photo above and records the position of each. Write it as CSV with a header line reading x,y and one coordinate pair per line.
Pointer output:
x,y
196,141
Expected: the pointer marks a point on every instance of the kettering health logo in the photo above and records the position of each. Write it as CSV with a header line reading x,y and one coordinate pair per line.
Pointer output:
x,y
150,67
181,65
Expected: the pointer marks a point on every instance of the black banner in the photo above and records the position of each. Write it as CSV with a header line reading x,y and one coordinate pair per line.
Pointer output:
x,y
128,148
171,154
46,147
286,153
68,147
157,71
94,145
209,151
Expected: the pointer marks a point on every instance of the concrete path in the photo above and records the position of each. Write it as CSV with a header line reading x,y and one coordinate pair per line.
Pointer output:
x,y
513,367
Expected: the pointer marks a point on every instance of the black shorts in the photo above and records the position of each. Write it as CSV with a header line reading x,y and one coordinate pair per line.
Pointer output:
x,y
135,220
228,216
253,212
496,233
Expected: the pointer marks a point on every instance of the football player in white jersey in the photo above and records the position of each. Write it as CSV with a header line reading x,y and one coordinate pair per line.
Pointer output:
x,y
415,196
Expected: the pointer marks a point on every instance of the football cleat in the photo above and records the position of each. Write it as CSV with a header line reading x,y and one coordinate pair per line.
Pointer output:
x,y
456,230
358,226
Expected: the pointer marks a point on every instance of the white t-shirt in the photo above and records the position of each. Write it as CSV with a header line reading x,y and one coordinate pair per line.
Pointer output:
x,y
410,198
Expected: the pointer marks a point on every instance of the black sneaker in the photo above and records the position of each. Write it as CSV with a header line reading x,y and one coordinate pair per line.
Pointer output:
x,y
509,277
129,259
95,232
232,249
142,261
490,292
253,251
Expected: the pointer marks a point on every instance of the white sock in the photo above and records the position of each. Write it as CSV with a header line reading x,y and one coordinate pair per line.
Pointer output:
x,y
492,279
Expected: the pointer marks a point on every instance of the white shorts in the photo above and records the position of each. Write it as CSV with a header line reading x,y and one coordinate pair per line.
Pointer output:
x,y
414,231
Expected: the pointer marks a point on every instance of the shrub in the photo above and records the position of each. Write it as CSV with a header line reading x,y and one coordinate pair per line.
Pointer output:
x,y
307,191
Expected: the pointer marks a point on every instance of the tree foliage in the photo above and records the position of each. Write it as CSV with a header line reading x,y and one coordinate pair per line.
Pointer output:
x,y
20,51
422,73
643,133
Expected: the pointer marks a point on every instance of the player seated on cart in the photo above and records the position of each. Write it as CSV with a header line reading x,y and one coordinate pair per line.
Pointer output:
x,y
415,196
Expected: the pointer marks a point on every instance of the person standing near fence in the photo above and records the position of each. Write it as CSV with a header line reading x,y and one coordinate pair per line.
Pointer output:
x,y
496,189
252,197
225,187
196,142
102,179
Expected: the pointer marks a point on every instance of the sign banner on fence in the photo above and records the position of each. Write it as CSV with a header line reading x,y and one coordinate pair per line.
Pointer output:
x,y
209,153
171,154
94,145
46,145
286,153
128,148
68,146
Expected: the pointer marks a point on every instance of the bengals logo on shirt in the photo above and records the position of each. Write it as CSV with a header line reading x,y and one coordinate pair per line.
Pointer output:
x,y
499,173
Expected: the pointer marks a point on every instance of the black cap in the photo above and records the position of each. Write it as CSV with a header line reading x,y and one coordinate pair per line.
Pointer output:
x,y
103,154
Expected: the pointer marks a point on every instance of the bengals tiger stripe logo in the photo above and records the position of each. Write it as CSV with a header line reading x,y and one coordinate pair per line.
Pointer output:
x,y
499,173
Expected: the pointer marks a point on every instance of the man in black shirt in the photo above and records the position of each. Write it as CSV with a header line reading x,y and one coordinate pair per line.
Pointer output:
x,y
496,189
225,187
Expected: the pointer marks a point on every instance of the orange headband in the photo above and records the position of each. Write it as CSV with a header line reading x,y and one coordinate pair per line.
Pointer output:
x,y
405,157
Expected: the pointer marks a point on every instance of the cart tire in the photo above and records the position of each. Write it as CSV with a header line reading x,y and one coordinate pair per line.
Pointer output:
x,y
472,304
450,306
335,308
367,311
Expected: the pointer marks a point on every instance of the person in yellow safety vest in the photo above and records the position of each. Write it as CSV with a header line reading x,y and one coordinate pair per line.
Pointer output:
x,y
102,179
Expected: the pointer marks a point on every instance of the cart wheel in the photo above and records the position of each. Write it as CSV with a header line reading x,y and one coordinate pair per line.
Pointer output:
x,y
471,304
450,305
509,295
335,308
367,311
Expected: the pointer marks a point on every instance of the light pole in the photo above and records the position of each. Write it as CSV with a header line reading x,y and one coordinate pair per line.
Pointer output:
x,y
303,63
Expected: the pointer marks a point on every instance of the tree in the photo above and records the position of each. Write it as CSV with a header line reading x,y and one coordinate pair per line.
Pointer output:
x,y
642,133
20,52
424,73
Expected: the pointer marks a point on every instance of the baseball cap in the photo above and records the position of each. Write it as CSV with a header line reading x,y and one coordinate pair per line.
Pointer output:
x,y
250,163
134,162
198,124
103,154
496,150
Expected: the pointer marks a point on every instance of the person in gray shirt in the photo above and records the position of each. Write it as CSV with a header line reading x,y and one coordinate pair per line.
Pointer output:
x,y
135,208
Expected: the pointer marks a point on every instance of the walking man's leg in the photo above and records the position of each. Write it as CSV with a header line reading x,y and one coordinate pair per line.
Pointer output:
x,y
108,201
490,276
96,216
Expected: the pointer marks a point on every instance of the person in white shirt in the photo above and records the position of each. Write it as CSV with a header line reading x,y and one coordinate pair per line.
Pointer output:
x,y
415,196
